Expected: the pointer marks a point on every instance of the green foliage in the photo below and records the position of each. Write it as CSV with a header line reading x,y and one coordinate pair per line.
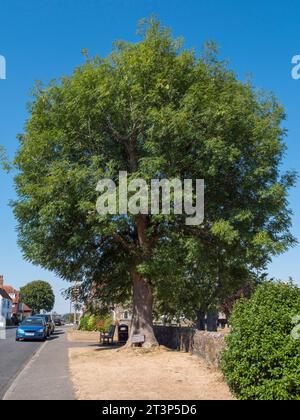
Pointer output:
x,y
262,360
83,325
157,111
95,323
38,295
4,164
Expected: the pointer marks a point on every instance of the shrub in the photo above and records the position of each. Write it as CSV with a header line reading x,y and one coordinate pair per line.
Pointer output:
x,y
95,323
262,359
92,323
83,325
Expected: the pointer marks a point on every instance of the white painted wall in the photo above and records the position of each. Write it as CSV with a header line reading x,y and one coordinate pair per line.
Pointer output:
x,y
5,308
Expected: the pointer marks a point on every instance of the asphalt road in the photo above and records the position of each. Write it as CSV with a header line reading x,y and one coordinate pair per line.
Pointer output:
x,y
13,357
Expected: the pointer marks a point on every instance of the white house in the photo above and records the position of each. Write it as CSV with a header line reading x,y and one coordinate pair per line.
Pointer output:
x,y
5,303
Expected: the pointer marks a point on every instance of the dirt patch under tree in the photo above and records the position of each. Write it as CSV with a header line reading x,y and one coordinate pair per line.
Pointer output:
x,y
110,374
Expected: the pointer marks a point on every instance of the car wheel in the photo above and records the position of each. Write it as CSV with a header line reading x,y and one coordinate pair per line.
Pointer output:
x,y
17,339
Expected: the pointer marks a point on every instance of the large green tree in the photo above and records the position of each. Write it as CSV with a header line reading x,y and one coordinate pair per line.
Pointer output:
x,y
157,111
38,295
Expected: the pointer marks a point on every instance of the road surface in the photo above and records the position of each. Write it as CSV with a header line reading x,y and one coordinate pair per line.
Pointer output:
x,y
13,357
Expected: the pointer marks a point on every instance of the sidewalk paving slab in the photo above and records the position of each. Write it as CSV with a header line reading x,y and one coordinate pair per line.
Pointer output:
x,y
46,376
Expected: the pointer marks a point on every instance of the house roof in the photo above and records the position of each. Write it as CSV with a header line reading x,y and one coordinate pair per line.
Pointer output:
x,y
4,294
10,289
16,300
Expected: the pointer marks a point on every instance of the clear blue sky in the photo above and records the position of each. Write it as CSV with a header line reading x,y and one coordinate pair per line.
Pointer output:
x,y
42,40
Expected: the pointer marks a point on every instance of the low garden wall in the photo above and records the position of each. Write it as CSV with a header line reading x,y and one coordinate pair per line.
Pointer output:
x,y
207,345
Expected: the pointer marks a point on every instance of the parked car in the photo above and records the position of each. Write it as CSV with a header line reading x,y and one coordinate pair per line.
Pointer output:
x,y
57,322
32,328
52,324
49,322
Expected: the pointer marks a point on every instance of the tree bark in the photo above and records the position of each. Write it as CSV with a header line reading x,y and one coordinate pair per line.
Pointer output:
x,y
212,321
200,325
142,318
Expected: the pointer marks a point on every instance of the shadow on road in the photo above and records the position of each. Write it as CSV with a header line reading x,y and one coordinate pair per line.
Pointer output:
x,y
52,337
59,332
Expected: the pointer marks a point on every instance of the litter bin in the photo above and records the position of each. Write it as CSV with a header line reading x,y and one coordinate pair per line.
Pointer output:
x,y
122,334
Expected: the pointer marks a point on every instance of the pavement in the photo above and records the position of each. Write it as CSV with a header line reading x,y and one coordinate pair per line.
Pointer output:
x,y
46,375
13,358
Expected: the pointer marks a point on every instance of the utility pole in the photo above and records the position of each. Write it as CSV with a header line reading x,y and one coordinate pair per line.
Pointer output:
x,y
75,301
70,311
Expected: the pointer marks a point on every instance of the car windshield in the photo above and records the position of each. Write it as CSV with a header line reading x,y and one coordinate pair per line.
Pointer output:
x,y
33,321
45,317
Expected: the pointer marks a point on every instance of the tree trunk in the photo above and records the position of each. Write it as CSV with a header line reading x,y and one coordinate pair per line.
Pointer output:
x,y
200,325
212,320
142,317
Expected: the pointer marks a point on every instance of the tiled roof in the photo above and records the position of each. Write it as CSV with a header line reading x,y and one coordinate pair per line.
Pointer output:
x,y
16,300
4,294
10,289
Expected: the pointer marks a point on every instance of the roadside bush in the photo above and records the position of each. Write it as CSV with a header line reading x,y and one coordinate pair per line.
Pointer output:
x,y
95,323
92,323
83,325
262,359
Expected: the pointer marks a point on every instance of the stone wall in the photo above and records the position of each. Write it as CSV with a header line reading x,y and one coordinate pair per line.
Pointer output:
x,y
207,345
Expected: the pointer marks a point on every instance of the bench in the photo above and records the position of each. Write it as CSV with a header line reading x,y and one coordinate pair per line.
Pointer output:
x,y
108,336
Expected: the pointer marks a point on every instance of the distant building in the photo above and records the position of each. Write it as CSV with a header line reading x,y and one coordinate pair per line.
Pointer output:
x,y
121,314
19,309
5,303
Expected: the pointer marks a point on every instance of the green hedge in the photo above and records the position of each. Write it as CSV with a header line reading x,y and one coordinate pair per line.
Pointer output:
x,y
262,359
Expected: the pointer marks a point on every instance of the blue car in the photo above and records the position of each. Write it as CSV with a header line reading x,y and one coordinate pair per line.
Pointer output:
x,y
32,328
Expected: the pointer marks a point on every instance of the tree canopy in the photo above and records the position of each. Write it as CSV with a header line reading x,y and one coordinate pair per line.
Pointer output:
x,y
155,110
38,295
3,159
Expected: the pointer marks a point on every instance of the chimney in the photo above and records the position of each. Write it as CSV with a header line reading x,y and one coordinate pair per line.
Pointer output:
x,y
1,282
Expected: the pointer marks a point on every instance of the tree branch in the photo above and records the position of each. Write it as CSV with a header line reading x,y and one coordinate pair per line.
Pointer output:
x,y
118,136
127,247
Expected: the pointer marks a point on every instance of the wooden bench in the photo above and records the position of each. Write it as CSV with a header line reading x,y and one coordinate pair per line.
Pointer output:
x,y
108,336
